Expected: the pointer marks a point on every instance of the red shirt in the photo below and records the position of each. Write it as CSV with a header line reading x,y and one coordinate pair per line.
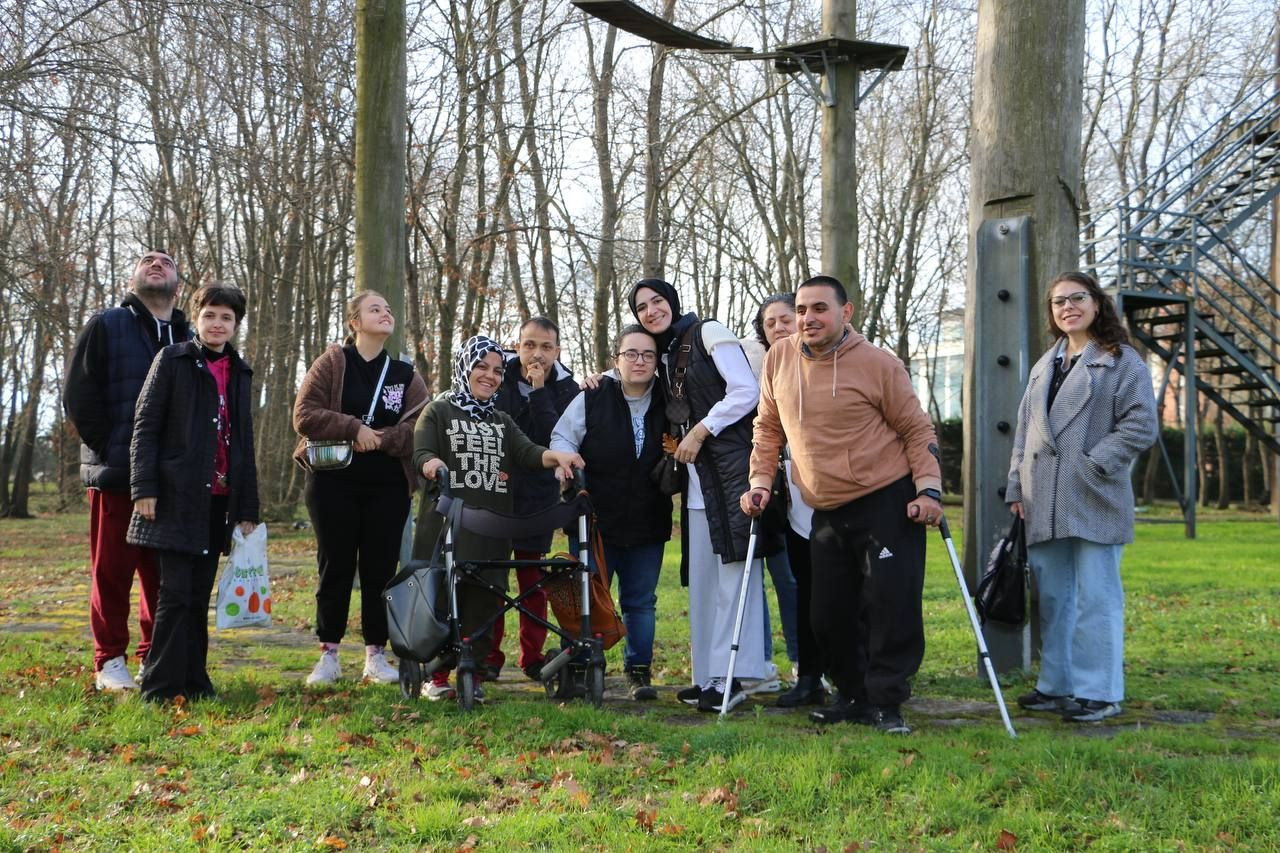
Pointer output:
x,y
221,370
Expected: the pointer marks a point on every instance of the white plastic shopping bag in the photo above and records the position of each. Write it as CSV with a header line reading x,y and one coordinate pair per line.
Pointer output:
x,y
244,591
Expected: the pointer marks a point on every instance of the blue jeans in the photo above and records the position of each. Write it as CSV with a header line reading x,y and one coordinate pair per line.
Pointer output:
x,y
1081,618
784,584
636,568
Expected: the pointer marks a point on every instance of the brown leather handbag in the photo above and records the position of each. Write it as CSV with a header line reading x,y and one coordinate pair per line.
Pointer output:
x,y
564,596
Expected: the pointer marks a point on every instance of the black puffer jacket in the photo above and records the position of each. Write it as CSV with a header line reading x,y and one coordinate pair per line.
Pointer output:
x,y
536,415
171,455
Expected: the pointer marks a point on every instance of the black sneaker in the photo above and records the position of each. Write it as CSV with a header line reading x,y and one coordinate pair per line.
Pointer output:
x,y
808,691
1090,710
841,711
887,719
689,695
490,671
712,698
1037,701
638,679
533,671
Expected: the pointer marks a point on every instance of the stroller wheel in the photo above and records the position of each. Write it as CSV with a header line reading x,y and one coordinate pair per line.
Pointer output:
x,y
595,684
410,678
466,689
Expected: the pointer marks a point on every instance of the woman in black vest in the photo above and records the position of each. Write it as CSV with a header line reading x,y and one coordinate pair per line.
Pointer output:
x,y
617,427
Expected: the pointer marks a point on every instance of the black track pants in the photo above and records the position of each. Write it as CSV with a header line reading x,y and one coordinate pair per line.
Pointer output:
x,y
868,577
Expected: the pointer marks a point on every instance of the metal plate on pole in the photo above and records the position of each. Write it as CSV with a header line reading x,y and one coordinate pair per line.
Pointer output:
x,y
1000,360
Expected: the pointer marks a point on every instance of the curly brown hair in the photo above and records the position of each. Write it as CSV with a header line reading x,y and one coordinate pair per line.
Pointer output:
x,y
1106,329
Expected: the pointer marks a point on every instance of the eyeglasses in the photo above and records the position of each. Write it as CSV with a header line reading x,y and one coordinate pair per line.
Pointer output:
x,y
633,355
1077,298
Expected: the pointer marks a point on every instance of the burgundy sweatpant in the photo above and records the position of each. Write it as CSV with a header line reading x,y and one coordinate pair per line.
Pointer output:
x,y
112,563
532,635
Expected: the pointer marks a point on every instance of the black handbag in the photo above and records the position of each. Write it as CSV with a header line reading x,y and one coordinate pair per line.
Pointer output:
x,y
417,611
1002,592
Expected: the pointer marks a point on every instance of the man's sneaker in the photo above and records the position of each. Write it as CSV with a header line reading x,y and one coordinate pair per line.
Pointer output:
x,y
440,688
808,691
769,684
712,698
377,669
640,683
490,671
1037,701
689,695
840,711
114,676
479,695
327,670
1090,710
142,673
533,671
887,719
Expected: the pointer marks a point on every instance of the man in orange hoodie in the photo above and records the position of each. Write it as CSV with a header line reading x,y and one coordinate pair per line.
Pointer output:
x,y
862,456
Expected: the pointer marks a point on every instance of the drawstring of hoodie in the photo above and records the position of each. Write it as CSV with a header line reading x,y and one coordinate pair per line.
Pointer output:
x,y
805,352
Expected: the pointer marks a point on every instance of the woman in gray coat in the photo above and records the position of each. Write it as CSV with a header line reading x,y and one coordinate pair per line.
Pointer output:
x,y
1087,413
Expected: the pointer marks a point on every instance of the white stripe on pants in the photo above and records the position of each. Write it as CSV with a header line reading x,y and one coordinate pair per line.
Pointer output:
x,y
713,604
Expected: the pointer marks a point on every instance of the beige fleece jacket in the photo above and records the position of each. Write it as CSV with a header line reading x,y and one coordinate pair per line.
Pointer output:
x,y
851,418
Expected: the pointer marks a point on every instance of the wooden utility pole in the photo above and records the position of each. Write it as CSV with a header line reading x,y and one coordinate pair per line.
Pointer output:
x,y
1024,229
839,168
380,155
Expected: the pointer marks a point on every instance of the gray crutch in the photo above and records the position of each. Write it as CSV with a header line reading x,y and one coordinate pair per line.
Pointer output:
x,y
742,608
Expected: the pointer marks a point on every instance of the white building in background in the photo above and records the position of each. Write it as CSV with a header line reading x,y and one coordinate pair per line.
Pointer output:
x,y
941,360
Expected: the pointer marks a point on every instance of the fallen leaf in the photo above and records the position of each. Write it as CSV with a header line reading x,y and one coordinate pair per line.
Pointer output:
x,y
645,817
1008,841
477,820
331,841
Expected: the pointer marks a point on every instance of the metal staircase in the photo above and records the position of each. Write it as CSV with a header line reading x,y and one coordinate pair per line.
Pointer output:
x,y
1169,251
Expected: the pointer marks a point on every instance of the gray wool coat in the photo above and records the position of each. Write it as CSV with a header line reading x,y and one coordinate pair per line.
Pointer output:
x,y
1070,466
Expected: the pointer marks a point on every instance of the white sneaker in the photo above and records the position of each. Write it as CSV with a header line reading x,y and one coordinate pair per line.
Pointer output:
x,y
327,670
114,676
436,692
769,684
142,673
377,669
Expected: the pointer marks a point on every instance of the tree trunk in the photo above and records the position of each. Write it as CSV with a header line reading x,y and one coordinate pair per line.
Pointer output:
x,y
380,153
1025,161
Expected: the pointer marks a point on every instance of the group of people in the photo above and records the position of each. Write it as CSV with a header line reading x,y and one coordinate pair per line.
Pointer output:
x,y
824,442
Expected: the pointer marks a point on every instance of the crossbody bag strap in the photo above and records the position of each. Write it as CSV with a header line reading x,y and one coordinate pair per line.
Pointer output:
x,y
683,353
377,389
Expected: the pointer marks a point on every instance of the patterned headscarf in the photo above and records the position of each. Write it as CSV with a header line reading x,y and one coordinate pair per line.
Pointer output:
x,y
472,353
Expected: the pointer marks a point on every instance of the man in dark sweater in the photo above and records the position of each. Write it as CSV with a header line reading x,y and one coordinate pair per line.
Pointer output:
x,y
110,362
535,391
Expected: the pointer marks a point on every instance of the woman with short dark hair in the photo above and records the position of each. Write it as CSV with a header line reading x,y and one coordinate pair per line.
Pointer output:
x,y
193,478
617,427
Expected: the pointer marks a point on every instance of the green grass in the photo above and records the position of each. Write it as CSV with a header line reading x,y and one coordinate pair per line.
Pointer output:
x,y
1193,762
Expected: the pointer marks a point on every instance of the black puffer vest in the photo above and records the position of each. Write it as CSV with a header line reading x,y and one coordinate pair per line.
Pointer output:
x,y
628,505
722,463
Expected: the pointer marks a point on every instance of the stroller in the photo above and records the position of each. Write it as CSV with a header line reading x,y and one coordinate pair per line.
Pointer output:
x,y
422,600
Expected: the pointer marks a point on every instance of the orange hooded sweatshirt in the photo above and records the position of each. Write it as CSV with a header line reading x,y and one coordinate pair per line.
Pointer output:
x,y
851,419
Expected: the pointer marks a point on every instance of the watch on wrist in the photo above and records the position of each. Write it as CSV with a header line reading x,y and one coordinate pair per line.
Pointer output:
x,y
930,493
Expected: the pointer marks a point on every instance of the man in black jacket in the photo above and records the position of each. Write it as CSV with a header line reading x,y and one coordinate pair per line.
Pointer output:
x,y
535,391
111,359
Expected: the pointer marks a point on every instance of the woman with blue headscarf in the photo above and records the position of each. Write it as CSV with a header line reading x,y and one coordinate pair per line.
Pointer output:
x,y
465,434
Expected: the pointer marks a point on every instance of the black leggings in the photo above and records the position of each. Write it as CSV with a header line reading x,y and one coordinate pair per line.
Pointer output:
x,y
812,660
358,526
868,578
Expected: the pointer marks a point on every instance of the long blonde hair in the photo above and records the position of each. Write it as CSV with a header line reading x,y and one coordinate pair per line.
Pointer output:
x,y
353,313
